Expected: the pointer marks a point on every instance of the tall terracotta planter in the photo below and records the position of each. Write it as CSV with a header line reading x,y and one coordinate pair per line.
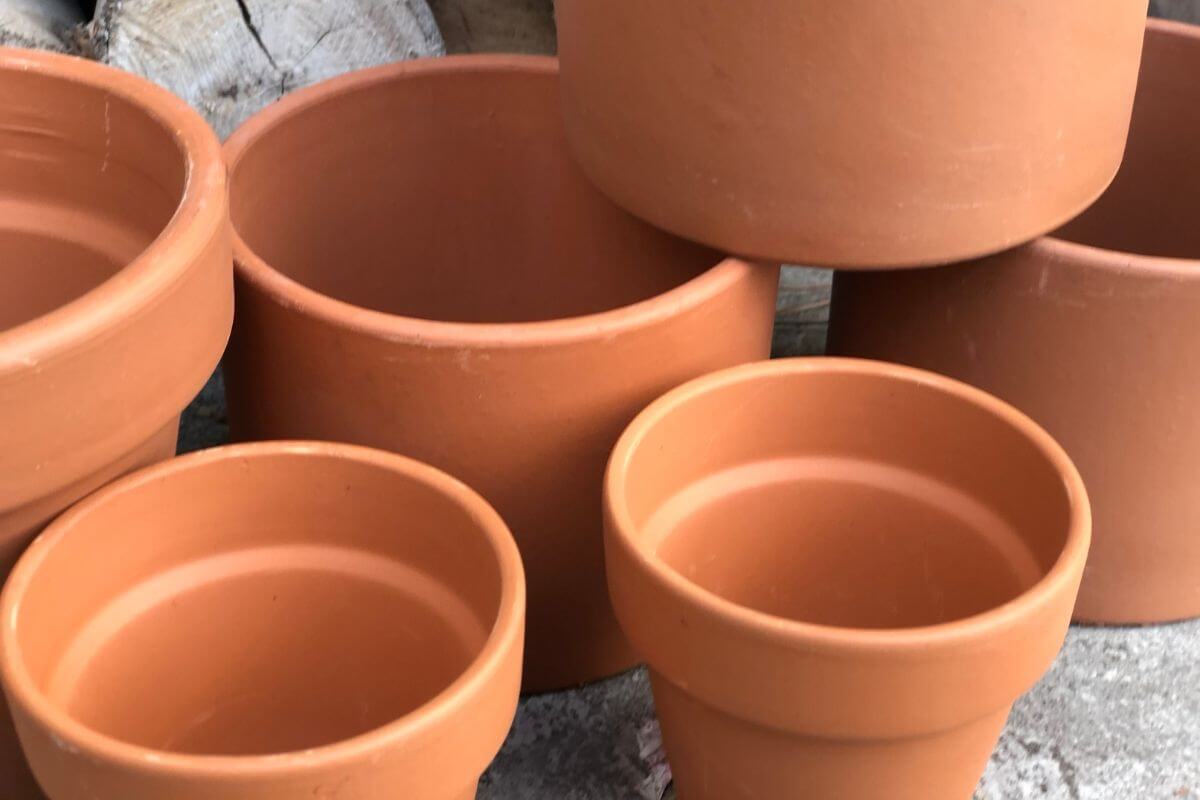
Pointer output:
x,y
1088,332
447,285
284,620
841,573
116,296
850,133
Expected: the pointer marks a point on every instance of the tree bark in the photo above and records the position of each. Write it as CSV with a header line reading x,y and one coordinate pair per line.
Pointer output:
x,y
42,24
229,58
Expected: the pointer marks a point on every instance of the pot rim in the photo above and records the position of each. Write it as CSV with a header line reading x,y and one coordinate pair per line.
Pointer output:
x,y
918,641
294,295
502,639
197,219
1094,257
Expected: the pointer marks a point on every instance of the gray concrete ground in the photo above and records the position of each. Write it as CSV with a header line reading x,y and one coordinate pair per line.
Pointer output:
x,y
1117,718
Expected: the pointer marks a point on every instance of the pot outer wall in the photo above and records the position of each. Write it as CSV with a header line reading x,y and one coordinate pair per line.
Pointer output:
x,y
528,426
119,300
1092,354
850,134
761,700
1091,342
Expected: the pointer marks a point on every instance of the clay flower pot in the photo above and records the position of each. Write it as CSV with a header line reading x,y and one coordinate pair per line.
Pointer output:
x,y
841,573
310,620
116,291
446,284
1089,333
850,133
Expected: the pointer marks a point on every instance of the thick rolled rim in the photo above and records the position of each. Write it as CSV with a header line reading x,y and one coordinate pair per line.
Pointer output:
x,y
476,680
919,640
197,219
287,292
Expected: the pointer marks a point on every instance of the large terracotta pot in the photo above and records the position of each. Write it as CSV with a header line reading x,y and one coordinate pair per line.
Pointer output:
x,y
1088,332
116,295
850,133
445,283
273,621
841,573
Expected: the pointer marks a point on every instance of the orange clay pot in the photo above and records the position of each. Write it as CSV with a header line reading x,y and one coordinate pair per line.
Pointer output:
x,y
445,283
841,573
286,620
115,289
1089,332
850,132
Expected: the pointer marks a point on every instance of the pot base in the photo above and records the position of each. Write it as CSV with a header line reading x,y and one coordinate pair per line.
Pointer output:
x,y
717,757
842,542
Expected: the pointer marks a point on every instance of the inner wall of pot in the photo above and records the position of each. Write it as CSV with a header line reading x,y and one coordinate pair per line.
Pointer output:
x,y
847,500
1153,205
262,605
87,181
453,199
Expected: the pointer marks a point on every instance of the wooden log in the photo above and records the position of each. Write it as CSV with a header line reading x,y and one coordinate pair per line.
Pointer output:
x,y
1183,10
42,24
504,26
802,312
229,58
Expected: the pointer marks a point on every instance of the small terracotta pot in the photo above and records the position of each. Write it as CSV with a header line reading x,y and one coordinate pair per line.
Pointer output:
x,y
1088,332
850,133
116,296
841,573
310,620
447,285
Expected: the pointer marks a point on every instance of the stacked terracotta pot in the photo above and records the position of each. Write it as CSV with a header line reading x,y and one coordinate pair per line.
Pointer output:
x,y
841,572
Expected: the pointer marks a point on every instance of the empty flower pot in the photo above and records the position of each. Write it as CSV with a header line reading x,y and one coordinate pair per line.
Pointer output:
x,y
1088,332
446,284
115,289
841,573
272,621
850,133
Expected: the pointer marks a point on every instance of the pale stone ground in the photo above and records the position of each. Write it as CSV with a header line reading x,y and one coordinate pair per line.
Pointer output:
x,y
1117,718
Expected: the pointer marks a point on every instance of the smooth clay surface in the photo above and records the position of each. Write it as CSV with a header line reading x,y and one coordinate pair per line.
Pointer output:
x,y
113,231
855,133
1087,331
447,284
314,615
841,574
1114,719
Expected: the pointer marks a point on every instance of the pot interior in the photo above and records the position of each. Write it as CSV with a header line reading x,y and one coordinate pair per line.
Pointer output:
x,y
447,194
1152,206
258,605
847,499
88,180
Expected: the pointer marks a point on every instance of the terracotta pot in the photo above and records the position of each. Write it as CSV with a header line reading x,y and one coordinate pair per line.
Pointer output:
x,y
1087,332
446,284
117,291
310,620
850,133
841,573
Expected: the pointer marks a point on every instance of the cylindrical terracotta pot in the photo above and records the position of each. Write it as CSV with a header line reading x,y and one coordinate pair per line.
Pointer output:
x,y
272,621
116,289
841,573
445,283
1088,332
850,133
